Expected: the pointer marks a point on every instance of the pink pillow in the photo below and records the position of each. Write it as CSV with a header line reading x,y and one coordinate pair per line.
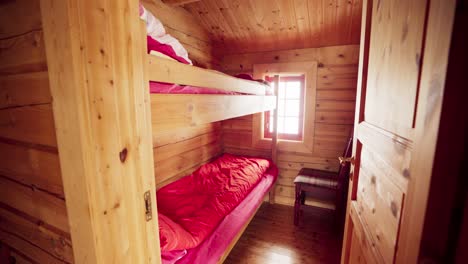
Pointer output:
x,y
172,235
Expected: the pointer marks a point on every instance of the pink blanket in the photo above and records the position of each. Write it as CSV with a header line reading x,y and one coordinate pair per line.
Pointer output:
x,y
191,208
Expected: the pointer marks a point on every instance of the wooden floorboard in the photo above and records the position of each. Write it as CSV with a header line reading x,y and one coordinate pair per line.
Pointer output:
x,y
272,238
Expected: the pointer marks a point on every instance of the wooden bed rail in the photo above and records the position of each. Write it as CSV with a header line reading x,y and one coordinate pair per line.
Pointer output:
x,y
178,110
164,70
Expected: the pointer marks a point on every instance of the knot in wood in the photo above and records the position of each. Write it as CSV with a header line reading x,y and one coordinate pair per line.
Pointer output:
x,y
123,155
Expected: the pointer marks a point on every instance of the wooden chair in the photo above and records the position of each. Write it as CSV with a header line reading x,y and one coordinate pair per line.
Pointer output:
x,y
310,180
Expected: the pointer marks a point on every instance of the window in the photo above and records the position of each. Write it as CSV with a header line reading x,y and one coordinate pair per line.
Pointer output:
x,y
290,108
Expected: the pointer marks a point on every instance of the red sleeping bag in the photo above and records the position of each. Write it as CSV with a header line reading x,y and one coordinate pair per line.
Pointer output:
x,y
191,208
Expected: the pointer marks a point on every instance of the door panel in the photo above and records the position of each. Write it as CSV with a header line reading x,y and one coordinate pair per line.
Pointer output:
x,y
385,126
357,256
394,59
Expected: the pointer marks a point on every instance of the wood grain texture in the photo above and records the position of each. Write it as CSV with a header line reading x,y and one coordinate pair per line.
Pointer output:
x,y
102,111
36,203
23,53
334,56
262,25
271,237
179,2
19,17
433,88
31,124
33,216
179,110
394,64
29,88
187,29
397,145
333,105
168,71
36,233
26,248
32,167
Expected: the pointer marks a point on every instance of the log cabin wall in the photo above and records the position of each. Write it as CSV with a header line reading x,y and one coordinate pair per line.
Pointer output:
x,y
334,111
180,150
33,217
187,29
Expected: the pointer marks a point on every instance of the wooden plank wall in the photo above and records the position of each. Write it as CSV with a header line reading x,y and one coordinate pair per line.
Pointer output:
x,y
33,217
335,102
183,26
178,152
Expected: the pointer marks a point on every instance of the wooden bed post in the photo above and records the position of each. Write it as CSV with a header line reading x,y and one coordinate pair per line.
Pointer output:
x,y
95,56
274,140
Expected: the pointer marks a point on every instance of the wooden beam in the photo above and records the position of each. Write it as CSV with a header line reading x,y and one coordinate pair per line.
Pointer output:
x,y
179,2
163,70
95,56
274,140
178,110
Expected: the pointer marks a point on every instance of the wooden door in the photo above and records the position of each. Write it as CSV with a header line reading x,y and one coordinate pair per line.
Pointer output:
x,y
403,59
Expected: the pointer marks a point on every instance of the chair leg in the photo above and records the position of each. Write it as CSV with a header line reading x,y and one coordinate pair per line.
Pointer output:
x,y
297,205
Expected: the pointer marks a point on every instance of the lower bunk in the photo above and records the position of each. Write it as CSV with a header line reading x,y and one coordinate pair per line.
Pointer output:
x,y
201,216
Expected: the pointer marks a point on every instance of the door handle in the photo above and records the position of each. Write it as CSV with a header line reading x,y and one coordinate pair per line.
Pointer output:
x,y
343,160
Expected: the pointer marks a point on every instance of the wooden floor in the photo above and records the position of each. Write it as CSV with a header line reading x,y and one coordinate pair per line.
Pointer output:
x,y
272,238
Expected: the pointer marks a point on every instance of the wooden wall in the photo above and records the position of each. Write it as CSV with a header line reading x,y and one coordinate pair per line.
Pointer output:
x,y
178,152
335,102
33,217
183,26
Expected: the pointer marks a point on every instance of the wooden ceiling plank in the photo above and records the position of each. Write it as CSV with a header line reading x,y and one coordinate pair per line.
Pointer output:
x,y
288,26
356,22
315,9
302,21
231,19
328,27
179,2
343,20
218,18
244,26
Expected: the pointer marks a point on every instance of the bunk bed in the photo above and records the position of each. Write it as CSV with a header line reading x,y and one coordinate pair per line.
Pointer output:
x,y
186,95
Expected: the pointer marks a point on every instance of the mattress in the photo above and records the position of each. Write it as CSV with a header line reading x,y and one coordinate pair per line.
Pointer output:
x,y
214,246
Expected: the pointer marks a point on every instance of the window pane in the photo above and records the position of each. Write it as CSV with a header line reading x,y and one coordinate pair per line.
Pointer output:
x,y
281,108
282,90
280,125
291,125
292,108
293,90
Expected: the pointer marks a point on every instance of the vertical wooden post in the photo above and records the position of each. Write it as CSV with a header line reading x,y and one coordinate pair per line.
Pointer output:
x,y
102,116
274,140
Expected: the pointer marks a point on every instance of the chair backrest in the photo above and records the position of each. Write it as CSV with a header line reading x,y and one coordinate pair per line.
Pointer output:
x,y
345,167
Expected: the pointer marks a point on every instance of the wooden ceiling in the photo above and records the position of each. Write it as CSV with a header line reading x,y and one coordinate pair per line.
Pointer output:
x,y
240,26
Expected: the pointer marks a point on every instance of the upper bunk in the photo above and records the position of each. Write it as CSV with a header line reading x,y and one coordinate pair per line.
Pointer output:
x,y
176,110
216,96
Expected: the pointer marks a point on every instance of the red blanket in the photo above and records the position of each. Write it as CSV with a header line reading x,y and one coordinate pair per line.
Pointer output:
x,y
191,208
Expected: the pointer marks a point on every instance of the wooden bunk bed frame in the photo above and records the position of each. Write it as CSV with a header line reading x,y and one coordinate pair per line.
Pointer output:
x,y
176,110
